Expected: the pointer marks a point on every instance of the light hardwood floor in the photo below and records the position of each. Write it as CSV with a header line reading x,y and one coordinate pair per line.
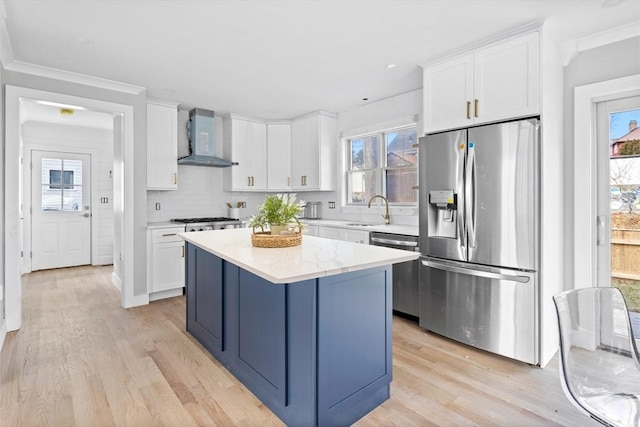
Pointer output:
x,y
81,360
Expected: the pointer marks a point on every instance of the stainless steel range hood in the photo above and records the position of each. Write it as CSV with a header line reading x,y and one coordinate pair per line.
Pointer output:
x,y
201,148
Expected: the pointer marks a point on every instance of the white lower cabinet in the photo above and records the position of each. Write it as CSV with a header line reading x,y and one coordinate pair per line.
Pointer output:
x,y
166,266
355,236
309,230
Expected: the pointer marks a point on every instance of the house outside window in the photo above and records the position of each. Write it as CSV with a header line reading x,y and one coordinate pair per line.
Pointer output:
x,y
384,162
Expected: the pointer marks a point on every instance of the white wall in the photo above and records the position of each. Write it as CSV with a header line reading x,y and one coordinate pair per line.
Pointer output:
x,y
603,63
40,135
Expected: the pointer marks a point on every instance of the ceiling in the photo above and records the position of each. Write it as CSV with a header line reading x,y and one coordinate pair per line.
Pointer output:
x,y
277,59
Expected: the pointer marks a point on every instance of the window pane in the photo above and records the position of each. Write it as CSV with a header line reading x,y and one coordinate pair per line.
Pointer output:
x,y
400,150
72,200
364,153
362,186
400,184
72,172
51,199
51,172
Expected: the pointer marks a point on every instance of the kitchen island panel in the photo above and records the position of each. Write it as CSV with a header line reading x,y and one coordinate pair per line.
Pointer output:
x,y
354,344
261,332
204,311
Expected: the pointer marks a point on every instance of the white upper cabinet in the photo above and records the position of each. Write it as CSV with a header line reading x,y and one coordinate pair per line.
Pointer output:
x,y
162,146
313,152
491,84
279,156
245,142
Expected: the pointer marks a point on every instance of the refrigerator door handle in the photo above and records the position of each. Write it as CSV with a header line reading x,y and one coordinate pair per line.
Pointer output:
x,y
470,195
479,273
462,234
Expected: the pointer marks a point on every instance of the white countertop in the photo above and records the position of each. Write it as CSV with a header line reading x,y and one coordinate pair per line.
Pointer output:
x,y
408,230
315,257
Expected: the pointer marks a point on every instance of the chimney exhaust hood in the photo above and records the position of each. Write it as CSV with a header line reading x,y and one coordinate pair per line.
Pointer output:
x,y
201,148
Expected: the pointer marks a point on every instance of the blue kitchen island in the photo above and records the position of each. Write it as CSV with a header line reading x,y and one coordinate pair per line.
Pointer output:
x,y
307,329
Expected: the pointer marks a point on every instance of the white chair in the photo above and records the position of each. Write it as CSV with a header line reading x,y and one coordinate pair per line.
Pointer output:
x,y
599,365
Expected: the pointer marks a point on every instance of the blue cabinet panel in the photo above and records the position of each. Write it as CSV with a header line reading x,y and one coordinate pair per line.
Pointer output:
x,y
354,333
204,297
261,330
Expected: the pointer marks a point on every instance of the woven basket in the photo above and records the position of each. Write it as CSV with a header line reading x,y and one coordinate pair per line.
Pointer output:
x,y
267,240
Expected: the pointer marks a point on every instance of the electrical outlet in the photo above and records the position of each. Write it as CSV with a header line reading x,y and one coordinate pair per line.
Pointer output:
x,y
157,206
332,205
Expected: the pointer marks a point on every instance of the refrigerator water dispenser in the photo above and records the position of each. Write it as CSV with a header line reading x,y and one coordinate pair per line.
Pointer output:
x,y
443,204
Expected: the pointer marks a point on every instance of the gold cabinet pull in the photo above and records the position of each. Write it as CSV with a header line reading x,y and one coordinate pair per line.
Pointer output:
x,y
175,178
248,181
253,182
182,251
468,109
475,108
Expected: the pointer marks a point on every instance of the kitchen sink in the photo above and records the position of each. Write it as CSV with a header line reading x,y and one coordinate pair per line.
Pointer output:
x,y
361,225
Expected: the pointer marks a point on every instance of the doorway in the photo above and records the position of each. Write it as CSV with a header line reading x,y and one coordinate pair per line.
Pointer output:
x,y
618,190
61,209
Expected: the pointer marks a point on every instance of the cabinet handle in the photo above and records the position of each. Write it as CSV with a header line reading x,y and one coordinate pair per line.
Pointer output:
x,y
248,181
169,234
252,182
475,108
182,251
468,109
288,181
175,178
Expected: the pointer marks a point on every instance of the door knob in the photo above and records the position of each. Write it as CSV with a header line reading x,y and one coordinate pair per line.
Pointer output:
x,y
86,215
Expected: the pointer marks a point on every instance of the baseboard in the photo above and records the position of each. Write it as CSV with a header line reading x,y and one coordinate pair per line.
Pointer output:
x,y
3,332
104,260
115,279
155,296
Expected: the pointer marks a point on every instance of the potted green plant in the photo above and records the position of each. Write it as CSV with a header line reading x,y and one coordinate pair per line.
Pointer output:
x,y
277,212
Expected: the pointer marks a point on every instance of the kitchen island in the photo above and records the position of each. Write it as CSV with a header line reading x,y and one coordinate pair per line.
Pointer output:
x,y
307,329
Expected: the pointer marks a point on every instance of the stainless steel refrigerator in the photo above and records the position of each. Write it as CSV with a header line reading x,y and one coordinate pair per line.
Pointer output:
x,y
479,237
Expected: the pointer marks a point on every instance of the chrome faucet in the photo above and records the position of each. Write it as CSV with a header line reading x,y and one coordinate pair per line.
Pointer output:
x,y
387,218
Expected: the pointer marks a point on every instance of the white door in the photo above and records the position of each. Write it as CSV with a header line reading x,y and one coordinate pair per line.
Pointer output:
x,y
618,207
61,209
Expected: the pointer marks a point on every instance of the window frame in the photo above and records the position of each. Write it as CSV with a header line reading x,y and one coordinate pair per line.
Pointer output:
x,y
380,169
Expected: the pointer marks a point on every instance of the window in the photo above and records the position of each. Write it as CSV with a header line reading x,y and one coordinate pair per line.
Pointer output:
x,y
383,163
61,184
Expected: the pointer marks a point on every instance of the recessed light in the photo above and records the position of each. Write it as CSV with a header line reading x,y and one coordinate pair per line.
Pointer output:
x,y
391,66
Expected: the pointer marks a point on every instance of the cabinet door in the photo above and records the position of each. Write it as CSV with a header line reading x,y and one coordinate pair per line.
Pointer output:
x,y
506,80
301,135
331,233
279,156
257,155
447,94
168,266
357,236
240,179
162,147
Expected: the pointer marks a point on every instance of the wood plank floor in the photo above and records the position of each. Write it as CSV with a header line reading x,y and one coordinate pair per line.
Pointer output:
x,y
81,360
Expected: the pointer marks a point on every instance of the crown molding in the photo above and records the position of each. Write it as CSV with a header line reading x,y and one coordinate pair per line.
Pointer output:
x,y
68,76
496,38
571,48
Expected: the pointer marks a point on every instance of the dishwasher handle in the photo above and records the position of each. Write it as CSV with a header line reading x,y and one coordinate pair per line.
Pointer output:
x,y
478,273
406,243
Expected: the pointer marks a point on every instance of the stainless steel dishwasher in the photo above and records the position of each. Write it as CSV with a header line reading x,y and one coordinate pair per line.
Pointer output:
x,y
406,281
